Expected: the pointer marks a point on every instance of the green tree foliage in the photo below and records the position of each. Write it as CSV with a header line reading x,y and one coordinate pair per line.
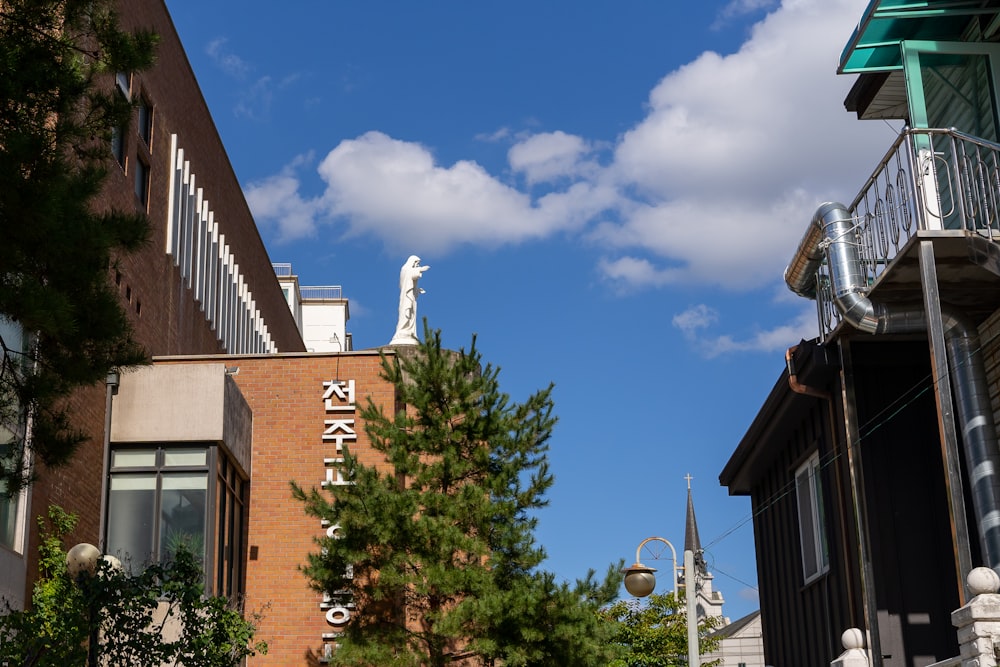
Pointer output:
x,y
436,545
58,110
157,617
653,632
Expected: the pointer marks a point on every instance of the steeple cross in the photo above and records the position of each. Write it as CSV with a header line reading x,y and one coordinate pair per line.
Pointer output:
x,y
688,477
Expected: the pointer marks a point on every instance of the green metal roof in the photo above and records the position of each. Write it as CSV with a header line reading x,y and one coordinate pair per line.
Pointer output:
x,y
874,46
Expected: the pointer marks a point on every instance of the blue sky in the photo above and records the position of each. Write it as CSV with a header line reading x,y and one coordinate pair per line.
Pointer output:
x,y
607,194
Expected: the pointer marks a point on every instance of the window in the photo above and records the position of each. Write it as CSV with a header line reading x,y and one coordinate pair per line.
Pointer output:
x,y
8,506
144,125
160,497
229,500
141,180
118,145
11,437
124,82
812,519
157,501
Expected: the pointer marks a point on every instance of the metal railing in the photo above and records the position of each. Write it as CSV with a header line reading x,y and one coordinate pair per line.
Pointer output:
x,y
930,179
321,292
282,269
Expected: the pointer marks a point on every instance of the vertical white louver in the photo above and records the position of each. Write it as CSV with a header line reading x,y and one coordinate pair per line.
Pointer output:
x,y
207,265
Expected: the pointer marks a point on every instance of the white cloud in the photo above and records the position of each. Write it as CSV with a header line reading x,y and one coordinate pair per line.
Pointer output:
x,y
695,318
713,187
695,322
395,190
742,7
495,136
277,199
228,62
255,99
737,151
549,156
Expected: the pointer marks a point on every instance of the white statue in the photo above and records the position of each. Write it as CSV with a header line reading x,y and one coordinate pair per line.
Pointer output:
x,y
406,325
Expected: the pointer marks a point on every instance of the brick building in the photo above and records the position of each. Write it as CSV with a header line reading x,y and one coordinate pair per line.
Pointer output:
x,y
202,445
266,420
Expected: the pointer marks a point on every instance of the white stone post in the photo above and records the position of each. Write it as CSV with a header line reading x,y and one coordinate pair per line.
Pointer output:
x,y
855,654
978,622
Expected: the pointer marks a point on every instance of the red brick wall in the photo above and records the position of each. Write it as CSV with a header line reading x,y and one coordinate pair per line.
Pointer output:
x,y
163,312
285,393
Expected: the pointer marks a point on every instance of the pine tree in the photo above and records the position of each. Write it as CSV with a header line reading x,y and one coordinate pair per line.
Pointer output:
x,y
58,111
436,546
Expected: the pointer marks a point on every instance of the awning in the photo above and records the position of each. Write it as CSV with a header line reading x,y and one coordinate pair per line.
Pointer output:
x,y
874,46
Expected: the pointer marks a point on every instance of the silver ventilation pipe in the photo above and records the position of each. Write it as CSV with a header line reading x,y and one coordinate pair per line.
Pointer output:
x,y
831,232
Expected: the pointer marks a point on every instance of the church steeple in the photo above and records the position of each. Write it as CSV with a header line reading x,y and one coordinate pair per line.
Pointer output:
x,y
691,540
709,601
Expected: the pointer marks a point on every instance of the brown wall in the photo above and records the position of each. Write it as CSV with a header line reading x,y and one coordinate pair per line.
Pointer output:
x,y
285,393
163,312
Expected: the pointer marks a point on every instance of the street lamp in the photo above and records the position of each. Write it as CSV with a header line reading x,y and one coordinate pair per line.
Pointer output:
x,y
81,564
639,579
640,582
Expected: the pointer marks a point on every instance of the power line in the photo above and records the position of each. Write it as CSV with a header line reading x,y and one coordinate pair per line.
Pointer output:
x,y
865,431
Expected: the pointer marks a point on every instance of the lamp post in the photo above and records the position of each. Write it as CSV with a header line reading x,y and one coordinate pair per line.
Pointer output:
x,y
81,564
640,582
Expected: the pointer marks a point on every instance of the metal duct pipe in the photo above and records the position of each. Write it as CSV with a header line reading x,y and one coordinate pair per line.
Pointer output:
x,y
800,275
967,370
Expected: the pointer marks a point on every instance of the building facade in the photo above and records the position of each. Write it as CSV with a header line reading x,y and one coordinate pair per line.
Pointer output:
x,y
213,443
203,285
873,461
253,385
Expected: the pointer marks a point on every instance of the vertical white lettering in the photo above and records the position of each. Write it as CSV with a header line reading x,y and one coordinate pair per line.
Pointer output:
x,y
338,398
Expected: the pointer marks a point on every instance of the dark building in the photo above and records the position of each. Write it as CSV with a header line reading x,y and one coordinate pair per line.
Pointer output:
x,y
872,465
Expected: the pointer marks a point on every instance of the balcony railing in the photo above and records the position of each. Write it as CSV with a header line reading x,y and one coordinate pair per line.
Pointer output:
x,y
934,180
321,292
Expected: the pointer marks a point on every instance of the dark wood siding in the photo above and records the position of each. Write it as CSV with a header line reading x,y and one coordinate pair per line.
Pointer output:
x,y
795,614
911,545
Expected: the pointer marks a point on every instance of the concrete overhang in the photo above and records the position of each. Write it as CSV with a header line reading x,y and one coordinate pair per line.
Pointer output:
x,y
178,403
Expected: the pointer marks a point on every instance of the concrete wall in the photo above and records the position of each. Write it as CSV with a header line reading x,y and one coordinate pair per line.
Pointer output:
x,y
191,403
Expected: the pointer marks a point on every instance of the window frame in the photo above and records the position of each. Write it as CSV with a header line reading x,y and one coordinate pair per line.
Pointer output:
x,y
141,180
144,121
13,535
811,514
223,576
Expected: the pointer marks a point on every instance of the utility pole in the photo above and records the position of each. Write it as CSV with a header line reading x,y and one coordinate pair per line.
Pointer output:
x,y
690,592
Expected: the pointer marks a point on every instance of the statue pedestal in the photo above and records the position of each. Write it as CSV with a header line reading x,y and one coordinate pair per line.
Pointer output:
x,y
404,339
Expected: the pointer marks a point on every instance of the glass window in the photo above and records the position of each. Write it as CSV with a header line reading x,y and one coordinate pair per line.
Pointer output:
x,y
141,180
118,145
182,513
8,505
11,435
124,82
157,501
162,498
229,548
131,517
812,519
133,458
185,457
145,121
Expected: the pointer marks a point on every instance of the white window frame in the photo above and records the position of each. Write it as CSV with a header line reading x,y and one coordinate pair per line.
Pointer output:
x,y
812,519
